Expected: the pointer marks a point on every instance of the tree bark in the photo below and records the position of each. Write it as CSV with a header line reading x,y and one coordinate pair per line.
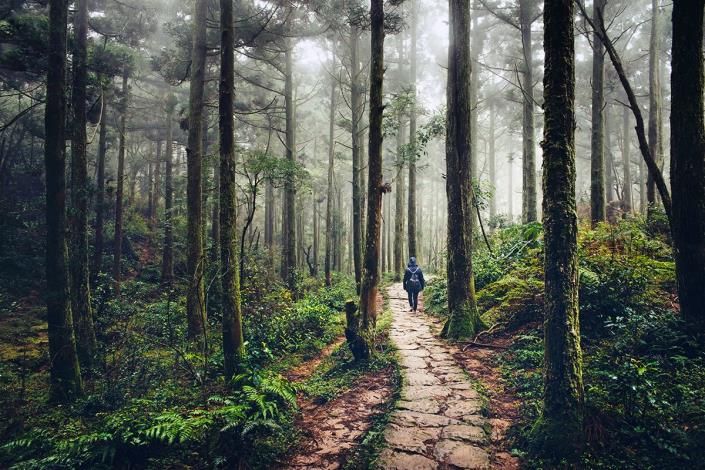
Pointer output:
x,y
597,147
655,128
65,371
412,229
399,209
289,238
168,253
100,190
561,430
375,186
356,113
156,186
233,342
195,297
626,164
492,164
609,159
120,190
80,275
269,215
316,234
528,128
328,260
688,160
463,320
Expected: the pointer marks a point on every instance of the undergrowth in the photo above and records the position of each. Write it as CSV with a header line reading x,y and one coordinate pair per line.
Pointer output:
x,y
644,379
155,401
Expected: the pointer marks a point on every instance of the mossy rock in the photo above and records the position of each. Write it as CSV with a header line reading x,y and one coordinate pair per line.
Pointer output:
x,y
511,300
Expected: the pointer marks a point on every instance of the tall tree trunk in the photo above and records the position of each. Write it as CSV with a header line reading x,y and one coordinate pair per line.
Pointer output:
x,y
597,147
269,215
609,158
120,190
100,188
529,152
195,297
80,285
643,176
156,187
688,160
510,188
375,186
412,229
626,164
463,320
356,111
316,234
65,372
399,209
340,232
168,253
233,342
492,163
150,193
655,127
327,263
289,238
561,433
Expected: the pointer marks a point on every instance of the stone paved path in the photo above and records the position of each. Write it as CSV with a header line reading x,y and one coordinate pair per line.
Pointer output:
x,y
437,423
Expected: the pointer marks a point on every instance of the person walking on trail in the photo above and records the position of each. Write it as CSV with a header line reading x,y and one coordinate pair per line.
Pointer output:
x,y
413,283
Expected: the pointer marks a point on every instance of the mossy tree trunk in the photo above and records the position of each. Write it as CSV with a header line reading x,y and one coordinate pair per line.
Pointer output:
x,y
80,276
375,186
688,160
65,371
233,343
560,433
195,298
463,320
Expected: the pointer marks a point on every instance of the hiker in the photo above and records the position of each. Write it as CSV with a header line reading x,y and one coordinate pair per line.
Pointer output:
x,y
413,283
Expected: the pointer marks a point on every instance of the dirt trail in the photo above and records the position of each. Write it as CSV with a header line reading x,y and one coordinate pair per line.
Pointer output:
x,y
437,423
331,431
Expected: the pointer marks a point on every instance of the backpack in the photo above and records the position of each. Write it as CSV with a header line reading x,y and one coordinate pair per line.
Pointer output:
x,y
414,283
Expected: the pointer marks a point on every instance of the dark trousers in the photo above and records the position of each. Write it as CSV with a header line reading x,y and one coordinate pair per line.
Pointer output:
x,y
413,299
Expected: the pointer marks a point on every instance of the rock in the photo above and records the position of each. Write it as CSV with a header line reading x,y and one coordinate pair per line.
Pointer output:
x,y
460,408
394,460
464,432
421,377
424,405
413,418
410,439
415,392
462,455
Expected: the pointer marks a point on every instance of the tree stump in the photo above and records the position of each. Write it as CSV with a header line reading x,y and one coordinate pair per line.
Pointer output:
x,y
358,346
